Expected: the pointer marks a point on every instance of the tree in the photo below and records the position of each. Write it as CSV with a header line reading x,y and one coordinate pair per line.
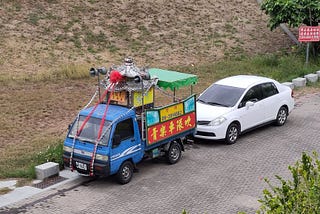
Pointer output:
x,y
292,12
300,195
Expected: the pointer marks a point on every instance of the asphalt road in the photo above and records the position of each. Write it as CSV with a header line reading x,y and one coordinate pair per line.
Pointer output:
x,y
210,178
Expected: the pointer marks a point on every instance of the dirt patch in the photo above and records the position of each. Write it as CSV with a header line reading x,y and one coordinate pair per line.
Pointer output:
x,y
44,108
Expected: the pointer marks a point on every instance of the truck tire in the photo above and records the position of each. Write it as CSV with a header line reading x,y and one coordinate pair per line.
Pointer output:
x,y
125,173
174,153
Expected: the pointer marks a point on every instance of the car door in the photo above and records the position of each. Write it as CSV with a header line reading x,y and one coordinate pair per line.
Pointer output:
x,y
270,100
250,110
128,147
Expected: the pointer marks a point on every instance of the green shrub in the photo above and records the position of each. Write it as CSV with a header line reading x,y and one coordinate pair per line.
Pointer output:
x,y
24,165
52,154
300,195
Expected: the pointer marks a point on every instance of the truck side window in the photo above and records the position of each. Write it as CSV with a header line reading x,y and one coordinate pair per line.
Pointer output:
x,y
125,129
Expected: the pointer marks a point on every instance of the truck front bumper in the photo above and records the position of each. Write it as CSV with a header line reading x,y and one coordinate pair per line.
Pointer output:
x,y
83,166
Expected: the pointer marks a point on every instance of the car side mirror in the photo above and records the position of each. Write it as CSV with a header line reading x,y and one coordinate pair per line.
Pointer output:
x,y
249,104
116,141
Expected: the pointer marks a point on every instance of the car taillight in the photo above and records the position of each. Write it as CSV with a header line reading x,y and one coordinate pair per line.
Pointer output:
x,y
292,93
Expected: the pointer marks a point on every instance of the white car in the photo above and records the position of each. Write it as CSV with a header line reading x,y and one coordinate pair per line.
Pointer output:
x,y
240,103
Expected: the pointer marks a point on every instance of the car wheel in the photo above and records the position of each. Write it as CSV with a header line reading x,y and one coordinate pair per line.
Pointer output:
x,y
282,116
125,173
232,133
174,153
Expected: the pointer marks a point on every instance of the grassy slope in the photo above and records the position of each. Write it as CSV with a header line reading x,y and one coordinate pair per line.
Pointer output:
x,y
42,36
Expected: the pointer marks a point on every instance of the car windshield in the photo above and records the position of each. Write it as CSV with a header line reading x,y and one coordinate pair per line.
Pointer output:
x,y
221,95
90,130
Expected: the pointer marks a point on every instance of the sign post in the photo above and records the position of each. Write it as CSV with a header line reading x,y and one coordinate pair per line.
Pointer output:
x,y
309,34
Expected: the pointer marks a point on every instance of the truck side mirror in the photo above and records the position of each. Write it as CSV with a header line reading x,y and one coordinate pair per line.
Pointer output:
x,y
116,141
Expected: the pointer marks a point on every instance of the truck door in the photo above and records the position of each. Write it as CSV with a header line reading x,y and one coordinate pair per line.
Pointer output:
x,y
128,146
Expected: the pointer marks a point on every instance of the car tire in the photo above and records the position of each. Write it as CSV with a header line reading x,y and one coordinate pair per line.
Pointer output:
x,y
174,153
282,116
232,133
125,173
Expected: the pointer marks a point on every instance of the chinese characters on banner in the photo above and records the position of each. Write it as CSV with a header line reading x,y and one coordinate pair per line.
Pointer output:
x,y
169,128
168,121
120,97
171,112
309,34
148,97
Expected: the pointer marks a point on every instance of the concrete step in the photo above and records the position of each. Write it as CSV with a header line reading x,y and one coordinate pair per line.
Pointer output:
x,y
47,170
299,82
290,84
311,77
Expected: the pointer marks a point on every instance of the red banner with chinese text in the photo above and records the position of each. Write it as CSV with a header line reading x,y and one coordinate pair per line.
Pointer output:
x,y
309,34
170,128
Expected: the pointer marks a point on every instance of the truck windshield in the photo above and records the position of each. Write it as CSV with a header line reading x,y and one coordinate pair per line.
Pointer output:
x,y
90,130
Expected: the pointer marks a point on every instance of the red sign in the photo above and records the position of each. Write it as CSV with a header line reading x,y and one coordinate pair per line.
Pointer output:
x,y
309,34
170,128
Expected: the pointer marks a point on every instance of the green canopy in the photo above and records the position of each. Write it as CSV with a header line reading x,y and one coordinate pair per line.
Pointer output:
x,y
172,79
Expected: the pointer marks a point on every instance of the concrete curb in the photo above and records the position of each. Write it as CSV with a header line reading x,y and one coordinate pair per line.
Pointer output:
x,y
302,81
20,193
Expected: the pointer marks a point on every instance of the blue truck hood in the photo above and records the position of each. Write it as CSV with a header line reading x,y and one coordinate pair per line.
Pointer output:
x,y
113,112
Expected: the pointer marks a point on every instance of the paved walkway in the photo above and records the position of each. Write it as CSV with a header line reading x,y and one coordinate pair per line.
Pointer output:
x,y
20,193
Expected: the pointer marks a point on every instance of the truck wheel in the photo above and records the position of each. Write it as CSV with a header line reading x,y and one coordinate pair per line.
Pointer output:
x,y
125,173
174,153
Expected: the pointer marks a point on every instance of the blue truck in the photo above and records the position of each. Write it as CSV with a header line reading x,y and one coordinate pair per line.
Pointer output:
x,y
124,126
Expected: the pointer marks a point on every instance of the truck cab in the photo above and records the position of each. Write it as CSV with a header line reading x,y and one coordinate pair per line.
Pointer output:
x,y
121,139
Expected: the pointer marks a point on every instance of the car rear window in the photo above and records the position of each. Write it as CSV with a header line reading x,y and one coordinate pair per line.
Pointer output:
x,y
269,89
221,95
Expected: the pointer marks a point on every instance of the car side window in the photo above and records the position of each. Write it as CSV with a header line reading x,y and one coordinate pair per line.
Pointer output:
x,y
125,129
253,95
269,89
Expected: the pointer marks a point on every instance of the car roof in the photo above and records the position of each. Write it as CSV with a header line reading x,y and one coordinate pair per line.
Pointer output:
x,y
243,81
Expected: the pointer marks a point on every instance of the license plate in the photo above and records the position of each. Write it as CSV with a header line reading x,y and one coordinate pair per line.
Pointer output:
x,y
82,166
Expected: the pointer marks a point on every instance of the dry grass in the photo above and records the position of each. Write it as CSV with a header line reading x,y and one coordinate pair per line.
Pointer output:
x,y
35,115
40,36
5,190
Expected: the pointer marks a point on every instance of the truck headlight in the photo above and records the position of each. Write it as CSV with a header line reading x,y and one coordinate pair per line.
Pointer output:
x,y
102,157
218,121
67,149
